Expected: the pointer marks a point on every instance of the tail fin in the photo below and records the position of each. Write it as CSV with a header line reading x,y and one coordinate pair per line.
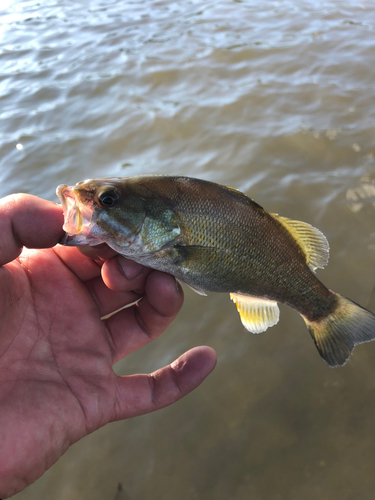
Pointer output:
x,y
336,335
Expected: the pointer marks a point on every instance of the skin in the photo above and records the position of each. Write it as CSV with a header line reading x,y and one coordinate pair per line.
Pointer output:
x,y
56,379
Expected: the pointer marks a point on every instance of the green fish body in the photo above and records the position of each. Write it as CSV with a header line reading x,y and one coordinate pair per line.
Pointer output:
x,y
216,239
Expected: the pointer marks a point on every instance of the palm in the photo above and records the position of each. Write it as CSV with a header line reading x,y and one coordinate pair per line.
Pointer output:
x,y
56,354
58,345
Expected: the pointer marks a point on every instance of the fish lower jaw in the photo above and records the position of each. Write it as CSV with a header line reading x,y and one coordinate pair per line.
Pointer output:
x,y
82,238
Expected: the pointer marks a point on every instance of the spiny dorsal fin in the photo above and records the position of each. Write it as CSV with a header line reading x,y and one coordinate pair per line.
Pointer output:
x,y
245,196
312,242
256,314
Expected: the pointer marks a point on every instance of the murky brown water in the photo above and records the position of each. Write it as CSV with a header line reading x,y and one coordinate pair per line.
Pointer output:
x,y
276,100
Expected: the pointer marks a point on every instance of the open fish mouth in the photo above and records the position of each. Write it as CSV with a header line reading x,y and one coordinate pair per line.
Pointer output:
x,y
73,222
77,216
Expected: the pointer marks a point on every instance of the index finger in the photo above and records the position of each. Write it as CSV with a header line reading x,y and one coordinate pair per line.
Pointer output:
x,y
29,221
99,252
159,306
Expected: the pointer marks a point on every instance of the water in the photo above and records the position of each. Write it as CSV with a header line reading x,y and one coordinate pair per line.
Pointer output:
x,y
275,100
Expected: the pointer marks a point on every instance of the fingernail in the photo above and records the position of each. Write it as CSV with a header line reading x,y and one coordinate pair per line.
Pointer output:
x,y
178,286
129,268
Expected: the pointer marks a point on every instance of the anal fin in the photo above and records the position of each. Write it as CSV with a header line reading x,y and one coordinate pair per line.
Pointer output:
x,y
256,314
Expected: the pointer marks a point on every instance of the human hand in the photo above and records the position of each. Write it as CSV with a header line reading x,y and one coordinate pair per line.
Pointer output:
x,y
56,354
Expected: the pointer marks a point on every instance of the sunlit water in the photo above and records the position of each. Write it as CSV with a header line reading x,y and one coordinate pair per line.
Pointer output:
x,y
273,98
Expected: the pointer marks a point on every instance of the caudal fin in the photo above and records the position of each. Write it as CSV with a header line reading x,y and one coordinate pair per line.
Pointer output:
x,y
336,335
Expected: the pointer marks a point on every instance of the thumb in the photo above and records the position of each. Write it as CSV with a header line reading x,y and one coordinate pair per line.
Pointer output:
x,y
140,394
27,220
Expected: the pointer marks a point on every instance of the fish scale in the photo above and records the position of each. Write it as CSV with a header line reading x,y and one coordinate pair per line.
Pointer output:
x,y
217,239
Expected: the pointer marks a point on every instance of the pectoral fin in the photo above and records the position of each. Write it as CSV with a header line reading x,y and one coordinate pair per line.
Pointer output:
x,y
256,314
196,290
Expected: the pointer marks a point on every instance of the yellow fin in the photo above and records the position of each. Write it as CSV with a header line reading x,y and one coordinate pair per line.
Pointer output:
x,y
256,314
312,242
234,189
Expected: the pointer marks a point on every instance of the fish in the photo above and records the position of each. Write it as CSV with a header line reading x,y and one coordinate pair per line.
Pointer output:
x,y
217,239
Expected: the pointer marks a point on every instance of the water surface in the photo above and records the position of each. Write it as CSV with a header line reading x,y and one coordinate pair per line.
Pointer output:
x,y
276,100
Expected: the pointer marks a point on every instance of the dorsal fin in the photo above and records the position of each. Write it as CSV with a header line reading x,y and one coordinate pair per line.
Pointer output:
x,y
250,200
312,242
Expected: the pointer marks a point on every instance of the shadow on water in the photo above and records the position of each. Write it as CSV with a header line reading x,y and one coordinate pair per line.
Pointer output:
x,y
120,494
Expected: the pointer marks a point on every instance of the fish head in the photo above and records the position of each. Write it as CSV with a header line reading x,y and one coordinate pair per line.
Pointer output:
x,y
98,211
117,212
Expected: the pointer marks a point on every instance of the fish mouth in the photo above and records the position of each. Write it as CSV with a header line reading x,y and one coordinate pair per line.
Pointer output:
x,y
73,222
77,216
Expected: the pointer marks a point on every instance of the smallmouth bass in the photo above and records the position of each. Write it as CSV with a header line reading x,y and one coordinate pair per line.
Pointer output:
x,y
217,239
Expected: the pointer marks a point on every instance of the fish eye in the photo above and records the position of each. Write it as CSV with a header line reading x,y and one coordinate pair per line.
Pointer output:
x,y
108,198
